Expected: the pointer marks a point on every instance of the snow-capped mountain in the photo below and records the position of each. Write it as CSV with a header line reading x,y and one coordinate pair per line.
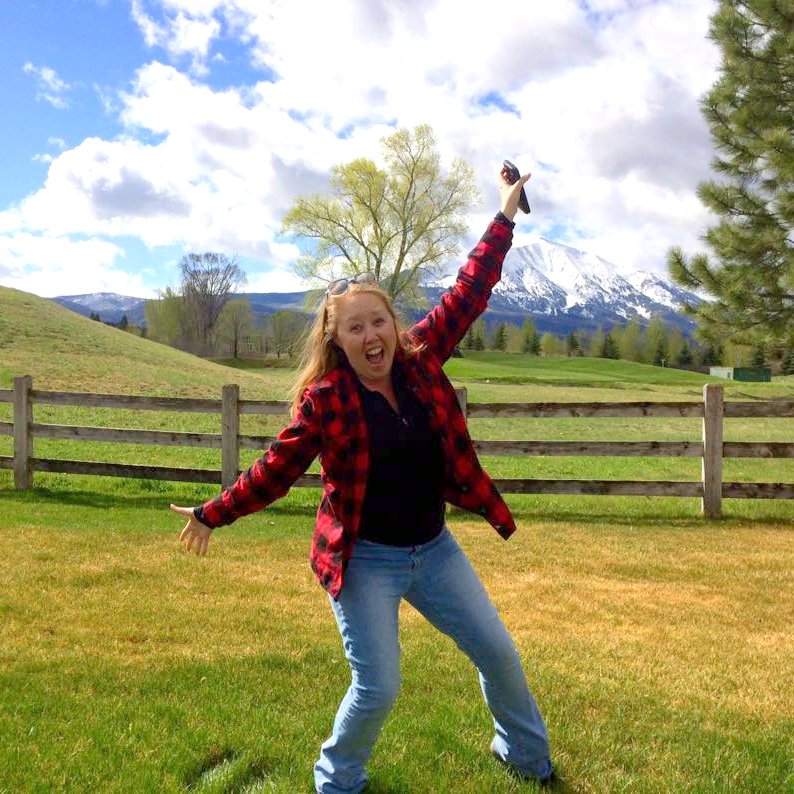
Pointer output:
x,y
108,305
560,288
563,289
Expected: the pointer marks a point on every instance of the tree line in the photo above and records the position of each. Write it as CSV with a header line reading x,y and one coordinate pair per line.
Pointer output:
x,y
202,317
657,343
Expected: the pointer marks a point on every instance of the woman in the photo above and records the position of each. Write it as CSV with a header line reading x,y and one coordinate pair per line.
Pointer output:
x,y
373,402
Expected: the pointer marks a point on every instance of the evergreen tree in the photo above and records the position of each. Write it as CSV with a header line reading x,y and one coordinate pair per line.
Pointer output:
x,y
759,357
750,110
609,348
711,355
787,365
499,341
479,343
468,340
683,357
124,323
572,346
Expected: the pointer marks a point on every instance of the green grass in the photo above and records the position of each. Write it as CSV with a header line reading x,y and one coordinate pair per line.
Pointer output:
x,y
659,645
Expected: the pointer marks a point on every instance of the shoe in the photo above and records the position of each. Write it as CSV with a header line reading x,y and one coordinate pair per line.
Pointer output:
x,y
549,780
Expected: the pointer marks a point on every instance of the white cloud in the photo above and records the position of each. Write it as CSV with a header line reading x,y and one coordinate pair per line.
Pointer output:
x,y
50,266
51,88
189,31
605,97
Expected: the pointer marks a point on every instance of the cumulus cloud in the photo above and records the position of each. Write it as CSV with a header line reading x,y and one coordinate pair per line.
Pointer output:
x,y
599,99
50,87
50,266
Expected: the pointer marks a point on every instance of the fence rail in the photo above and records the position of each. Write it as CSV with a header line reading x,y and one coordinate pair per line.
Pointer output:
x,y
711,488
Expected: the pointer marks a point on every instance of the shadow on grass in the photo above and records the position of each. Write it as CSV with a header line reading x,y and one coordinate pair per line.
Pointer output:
x,y
227,770
587,511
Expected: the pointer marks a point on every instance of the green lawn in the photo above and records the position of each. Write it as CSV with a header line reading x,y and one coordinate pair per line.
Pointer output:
x,y
658,645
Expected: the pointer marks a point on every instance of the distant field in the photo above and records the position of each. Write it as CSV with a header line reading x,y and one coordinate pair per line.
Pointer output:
x,y
658,644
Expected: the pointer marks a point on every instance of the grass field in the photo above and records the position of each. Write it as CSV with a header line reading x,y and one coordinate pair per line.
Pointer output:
x,y
658,645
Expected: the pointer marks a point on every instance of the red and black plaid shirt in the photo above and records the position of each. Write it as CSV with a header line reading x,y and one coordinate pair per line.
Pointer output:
x,y
330,423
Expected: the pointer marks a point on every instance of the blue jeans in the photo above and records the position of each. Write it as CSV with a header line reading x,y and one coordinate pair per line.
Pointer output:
x,y
438,580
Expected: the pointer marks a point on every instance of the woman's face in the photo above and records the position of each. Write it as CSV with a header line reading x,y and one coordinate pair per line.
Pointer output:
x,y
366,333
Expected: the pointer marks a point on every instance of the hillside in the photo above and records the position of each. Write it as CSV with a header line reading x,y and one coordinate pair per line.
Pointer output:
x,y
64,351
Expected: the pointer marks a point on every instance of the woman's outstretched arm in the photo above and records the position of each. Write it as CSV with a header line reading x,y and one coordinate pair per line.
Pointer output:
x,y
447,323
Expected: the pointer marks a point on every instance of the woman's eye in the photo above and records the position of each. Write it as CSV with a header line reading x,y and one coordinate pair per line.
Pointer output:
x,y
380,321
355,328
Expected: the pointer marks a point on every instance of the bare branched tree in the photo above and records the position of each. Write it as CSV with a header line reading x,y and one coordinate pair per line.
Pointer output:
x,y
208,280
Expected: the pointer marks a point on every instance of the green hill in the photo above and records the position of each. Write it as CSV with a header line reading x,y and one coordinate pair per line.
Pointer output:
x,y
66,352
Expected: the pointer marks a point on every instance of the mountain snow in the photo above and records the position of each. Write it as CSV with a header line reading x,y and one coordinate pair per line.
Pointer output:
x,y
560,287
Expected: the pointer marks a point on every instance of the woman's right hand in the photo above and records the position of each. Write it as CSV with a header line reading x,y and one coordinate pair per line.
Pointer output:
x,y
510,193
195,536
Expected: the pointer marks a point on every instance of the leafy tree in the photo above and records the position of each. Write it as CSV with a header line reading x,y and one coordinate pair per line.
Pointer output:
x,y
236,321
395,221
657,345
531,340
675,344
551,345
284,329
630,341
207,281
596,346
166,318
499,341
750,110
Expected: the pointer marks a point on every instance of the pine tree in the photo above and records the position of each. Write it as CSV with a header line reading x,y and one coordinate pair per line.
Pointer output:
x,y
684,357
750,110
499,341
572,346
787,365
609,348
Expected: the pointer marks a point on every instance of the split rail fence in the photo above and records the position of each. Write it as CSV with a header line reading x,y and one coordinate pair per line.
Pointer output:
x,y
711,488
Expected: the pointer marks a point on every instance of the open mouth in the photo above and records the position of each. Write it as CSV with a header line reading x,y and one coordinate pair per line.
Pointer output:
x,y
375,356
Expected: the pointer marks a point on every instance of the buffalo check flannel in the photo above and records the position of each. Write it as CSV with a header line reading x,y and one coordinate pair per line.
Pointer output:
x,y
330,423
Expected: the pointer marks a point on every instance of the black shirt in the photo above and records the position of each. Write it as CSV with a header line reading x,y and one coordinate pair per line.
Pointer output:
x,y
404,503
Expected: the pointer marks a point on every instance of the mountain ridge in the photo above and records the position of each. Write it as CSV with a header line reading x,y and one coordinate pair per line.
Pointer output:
x,y
559,287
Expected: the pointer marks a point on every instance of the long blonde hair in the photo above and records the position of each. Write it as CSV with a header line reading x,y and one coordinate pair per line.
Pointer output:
x,y
321,354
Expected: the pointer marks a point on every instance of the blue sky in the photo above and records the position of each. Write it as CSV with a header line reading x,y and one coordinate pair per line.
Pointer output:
x,y
136,131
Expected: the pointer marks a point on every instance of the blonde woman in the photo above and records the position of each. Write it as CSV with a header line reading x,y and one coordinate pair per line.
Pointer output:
x,y
373,402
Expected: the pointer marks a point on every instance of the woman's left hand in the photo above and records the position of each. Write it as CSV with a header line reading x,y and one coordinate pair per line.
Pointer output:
x,y
510,193
195,536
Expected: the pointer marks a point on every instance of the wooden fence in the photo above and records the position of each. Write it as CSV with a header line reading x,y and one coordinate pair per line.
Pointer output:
x,y
711,489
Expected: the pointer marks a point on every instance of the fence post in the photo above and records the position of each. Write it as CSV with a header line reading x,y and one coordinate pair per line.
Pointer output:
x,y
462,394
230,431
712,450
23,442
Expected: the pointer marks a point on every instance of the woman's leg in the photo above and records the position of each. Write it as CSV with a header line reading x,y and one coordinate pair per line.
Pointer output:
x,y
448,592
366,614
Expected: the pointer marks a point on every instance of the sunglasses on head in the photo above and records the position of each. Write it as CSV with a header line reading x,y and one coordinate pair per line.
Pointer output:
x,y
341,285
